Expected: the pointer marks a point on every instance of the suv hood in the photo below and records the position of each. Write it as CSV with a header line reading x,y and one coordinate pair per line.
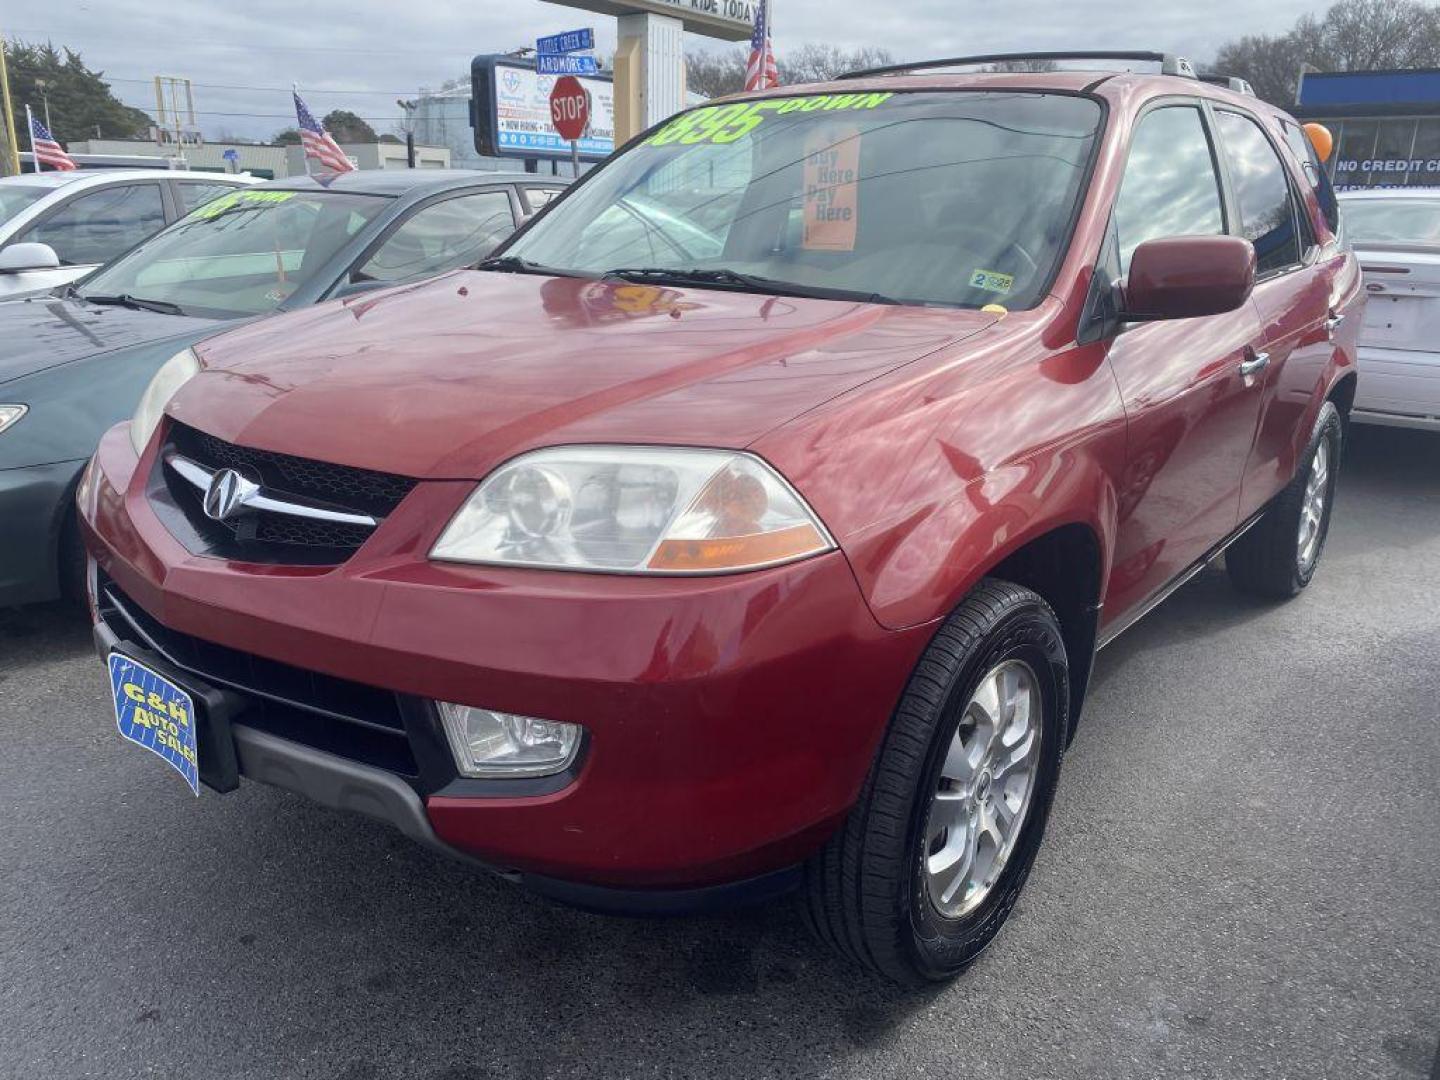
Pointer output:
x,y
44,333
447,378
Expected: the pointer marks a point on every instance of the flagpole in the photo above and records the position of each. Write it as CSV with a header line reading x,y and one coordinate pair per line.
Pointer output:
x,y
30,127
304,154
12,143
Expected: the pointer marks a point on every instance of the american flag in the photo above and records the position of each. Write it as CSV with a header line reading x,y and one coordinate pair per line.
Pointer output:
x,y
761,72
317,141
46,150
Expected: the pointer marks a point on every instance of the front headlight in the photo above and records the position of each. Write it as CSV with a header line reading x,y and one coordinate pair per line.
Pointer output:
x,y
634,509
173,374
11,413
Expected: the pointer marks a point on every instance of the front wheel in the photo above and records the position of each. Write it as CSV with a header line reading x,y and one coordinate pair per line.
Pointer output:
x,y
932,858
1277,557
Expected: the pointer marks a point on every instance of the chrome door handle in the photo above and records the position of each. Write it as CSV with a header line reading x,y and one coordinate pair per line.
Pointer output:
x,y
1255,363
1333,323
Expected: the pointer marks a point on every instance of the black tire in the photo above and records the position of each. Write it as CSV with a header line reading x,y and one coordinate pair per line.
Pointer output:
x,y
1267,560
865,893
71,562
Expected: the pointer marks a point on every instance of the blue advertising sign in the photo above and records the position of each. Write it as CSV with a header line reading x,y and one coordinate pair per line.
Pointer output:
x,y
512,112
566,65
154,713
568,42
231,154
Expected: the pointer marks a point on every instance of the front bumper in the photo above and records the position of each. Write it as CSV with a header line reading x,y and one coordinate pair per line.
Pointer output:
x,y
34,501
730,720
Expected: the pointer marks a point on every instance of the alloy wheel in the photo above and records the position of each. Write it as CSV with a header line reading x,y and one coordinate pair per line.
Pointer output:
x,y
984,790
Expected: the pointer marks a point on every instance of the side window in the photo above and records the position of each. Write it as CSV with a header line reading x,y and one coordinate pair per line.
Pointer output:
x,y
195,193
1267,212
1170,187
94,228
538,197
1315,173
443,236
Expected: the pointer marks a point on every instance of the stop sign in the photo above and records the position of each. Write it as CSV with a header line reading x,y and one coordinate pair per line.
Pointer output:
x,y
569,108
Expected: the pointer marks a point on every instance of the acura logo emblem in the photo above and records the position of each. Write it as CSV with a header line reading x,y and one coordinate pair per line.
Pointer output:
x,y
227,493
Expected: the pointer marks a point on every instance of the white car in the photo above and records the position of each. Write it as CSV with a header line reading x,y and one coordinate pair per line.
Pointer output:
x,y
56,227
1396,236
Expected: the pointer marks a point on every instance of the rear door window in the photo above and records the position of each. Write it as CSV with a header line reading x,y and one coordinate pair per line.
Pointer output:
x,y
442,236
1314,172
1262,193
1170,186
95,227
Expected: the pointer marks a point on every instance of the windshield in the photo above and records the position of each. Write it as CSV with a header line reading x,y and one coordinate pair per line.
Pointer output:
x,y
1409,221
241,254
951,198
14,198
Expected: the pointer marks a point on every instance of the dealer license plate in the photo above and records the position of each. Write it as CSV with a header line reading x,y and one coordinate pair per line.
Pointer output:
x,y
154,713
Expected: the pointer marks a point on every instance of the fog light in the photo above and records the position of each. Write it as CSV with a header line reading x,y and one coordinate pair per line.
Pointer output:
x,y
489,743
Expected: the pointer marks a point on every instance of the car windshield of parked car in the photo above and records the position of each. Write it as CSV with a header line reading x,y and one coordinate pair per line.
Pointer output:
x,y
1392,221
244,253
953,198
16,197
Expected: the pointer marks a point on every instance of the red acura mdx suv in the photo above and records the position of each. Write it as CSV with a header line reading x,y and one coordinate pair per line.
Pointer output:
x,y
751,521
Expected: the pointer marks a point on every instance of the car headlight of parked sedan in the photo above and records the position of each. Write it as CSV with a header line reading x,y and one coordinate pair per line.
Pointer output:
x,y
173,374
9,414
634,510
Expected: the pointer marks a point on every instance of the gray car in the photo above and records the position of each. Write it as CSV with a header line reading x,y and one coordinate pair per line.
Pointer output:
x,y
75,362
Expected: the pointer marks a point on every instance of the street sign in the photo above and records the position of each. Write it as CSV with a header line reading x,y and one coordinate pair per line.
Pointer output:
x,y
569,108
231,154
552,64
568,42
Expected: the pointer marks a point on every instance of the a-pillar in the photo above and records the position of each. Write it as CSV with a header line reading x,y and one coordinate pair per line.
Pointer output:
x,y
649,72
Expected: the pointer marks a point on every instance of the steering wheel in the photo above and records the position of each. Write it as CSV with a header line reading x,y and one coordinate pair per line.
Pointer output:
x,y
991,240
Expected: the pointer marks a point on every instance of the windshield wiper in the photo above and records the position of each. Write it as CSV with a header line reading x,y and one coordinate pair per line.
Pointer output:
x,y
513,264
721,278
138,303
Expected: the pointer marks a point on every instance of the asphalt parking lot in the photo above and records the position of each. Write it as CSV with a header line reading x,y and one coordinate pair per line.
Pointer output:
x,y
1242,878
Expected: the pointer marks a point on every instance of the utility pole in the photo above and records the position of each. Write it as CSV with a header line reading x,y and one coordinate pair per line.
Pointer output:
x,y
12,150
409,108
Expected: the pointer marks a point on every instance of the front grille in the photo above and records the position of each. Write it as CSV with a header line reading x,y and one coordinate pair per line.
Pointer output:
x,y
349,719
268,536
364,490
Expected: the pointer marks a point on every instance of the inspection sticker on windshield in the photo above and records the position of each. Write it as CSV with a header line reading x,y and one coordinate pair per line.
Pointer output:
x,y
992,281
729,123
153,712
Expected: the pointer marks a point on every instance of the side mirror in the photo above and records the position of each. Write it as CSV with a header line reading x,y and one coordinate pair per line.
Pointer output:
x,y
18,257
1182,277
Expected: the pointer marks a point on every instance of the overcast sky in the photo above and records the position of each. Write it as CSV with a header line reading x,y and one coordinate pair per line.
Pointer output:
x,y
335,49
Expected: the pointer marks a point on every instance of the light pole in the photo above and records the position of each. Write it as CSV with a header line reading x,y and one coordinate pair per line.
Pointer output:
x,y
409,108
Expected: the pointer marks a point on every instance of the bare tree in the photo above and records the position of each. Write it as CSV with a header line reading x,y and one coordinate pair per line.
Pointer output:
x,y
716,74
814,62
1354,35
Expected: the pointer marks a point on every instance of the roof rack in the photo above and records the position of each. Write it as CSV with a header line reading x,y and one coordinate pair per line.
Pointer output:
x,y
1169,63
1230,82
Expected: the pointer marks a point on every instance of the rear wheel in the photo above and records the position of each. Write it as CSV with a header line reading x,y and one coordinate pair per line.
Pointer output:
x,y
932,858
1278,556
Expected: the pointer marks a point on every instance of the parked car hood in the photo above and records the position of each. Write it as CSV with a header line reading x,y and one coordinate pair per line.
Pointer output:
x,y
43,333
446,378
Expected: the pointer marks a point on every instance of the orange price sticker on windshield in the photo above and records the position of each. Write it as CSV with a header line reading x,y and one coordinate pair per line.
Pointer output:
x,y
832,189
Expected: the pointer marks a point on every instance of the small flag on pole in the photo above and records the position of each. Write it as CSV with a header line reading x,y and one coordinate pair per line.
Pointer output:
x,y
761,73
43,145
317,141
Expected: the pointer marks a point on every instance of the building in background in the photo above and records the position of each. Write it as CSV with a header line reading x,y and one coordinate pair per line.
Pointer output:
x,y
1386,125
442,118
267,161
